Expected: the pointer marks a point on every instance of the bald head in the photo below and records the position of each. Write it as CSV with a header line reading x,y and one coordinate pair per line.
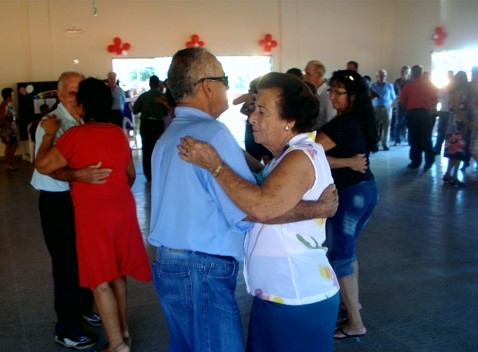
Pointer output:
x,y
315,73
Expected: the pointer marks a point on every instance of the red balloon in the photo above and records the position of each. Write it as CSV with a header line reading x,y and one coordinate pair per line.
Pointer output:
x,y
439,35
268,37
111,48
117,41
126,46
194,37
119,51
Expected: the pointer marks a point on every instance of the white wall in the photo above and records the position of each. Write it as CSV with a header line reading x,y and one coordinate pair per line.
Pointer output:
x,y
378,34
36,47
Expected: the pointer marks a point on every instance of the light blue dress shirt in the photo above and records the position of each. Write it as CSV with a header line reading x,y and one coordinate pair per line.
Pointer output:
x,y
189,209
386,92
118,98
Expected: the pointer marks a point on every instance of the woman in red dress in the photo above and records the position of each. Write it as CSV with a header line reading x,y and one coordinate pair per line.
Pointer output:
x,y
109,242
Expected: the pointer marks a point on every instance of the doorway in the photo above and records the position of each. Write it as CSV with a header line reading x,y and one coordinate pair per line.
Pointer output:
x,y
452,60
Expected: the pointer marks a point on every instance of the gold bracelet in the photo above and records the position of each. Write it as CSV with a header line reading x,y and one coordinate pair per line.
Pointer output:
x,y
218,170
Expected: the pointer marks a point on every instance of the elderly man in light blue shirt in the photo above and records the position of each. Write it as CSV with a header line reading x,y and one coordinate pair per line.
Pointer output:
x,y
383,105
119,98
198,230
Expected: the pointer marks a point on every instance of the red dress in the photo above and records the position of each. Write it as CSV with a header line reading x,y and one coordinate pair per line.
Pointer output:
x,y
108,238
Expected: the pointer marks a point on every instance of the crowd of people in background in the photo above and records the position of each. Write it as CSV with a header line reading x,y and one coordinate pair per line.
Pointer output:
x,y
391,113
304,132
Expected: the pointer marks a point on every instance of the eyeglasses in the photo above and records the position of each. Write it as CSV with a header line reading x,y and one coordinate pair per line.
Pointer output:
x,y
335,92
223,79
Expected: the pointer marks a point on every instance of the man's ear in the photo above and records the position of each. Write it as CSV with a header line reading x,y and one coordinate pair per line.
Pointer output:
x,y
209,93
206,87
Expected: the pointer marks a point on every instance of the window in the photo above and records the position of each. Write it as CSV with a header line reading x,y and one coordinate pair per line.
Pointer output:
x,y
452,60
134,74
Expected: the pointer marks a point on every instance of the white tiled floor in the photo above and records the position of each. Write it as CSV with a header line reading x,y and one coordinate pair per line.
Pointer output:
x,y
418,258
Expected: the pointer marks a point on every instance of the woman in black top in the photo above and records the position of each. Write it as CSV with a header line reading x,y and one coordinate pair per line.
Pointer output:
x,y
353,131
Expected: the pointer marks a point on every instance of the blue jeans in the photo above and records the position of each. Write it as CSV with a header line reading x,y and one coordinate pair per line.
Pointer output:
x,y
400,125
356,204
196,292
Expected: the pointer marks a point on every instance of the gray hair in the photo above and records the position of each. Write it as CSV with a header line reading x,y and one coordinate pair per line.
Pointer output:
x,y
187,67
319,67
67,74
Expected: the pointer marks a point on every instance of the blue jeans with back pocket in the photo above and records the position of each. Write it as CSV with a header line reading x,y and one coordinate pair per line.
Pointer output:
x,y
196,292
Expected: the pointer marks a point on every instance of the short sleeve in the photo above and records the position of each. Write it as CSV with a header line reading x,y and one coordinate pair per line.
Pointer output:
x,y
66,143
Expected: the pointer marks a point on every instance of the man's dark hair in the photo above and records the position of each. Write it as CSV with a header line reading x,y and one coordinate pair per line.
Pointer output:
x,y
154,81
354,64
6,92
295,72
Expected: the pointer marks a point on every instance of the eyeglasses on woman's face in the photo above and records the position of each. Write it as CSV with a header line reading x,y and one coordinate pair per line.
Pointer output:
x,y
333,91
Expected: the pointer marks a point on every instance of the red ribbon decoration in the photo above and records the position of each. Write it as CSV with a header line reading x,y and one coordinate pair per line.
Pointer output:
x,y
439,35
267,43
118,47
194,42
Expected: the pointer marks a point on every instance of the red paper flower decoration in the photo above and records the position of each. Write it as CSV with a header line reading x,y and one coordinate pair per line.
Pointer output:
x,y
118,47
195,42
267,43
439,35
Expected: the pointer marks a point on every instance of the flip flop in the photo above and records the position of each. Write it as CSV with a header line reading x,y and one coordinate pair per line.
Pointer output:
x,y
346,336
